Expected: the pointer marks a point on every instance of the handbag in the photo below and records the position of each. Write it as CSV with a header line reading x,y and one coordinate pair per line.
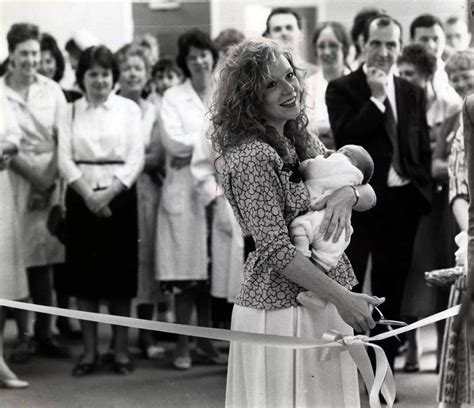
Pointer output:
x,y
56,222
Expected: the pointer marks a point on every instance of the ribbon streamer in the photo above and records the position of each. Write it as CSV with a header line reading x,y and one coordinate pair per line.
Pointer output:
x,y
382,382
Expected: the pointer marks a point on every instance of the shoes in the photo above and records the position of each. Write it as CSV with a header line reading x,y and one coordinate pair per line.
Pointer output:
x,y
123,368
13,383
82,369
50,348
217,359
153,352
108,356
182,363
150,351
22,351
411,367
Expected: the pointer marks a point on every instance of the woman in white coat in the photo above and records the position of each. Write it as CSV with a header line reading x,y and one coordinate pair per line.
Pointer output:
x,y
227,243
182,252
12,271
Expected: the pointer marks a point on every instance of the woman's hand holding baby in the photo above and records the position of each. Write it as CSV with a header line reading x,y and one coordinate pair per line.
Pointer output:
x,y
337,217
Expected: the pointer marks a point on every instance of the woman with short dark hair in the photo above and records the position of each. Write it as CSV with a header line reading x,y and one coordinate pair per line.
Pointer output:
x,y
101,154
53,64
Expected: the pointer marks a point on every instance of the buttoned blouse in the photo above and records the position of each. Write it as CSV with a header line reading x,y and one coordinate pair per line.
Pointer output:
x,y
44,106
102,142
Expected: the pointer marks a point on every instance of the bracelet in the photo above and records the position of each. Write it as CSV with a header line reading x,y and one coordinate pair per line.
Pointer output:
x,y
357,195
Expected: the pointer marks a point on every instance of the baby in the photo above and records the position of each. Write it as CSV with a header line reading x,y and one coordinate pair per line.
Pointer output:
x,y
351,165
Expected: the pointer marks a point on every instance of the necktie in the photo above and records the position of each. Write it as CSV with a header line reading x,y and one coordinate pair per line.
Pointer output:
x,y
392,131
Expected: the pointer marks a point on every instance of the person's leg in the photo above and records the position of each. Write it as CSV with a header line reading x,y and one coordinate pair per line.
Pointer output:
x,y
122,362
89,331
203,309
120,307
8,379
63,324
23,349
412,354
40,282
397,223
184,304
145,338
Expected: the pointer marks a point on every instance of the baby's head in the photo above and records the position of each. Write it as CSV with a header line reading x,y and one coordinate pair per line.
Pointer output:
x,y
360,158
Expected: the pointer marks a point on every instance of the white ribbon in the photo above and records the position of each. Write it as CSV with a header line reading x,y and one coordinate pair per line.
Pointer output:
x,y
382,382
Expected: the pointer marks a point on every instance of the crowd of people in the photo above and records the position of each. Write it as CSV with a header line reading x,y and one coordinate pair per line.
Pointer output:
x,y
179,186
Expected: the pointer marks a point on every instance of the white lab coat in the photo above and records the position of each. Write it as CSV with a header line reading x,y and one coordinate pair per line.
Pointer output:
x,y
227,247
181,236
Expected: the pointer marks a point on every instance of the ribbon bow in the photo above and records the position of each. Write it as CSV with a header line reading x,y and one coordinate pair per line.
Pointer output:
x,y
383,380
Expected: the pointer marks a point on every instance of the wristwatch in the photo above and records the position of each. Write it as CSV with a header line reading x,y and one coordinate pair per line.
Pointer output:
x,y
357,195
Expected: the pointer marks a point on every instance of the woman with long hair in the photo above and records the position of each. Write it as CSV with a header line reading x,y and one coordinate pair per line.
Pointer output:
x,y
260,134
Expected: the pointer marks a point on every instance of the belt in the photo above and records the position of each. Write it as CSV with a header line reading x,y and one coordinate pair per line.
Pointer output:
x,y
99,162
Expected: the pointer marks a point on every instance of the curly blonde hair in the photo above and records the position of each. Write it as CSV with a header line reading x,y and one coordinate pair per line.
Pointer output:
x,y
239,95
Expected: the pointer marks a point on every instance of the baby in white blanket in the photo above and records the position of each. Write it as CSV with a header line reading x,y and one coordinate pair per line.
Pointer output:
x,y
350,165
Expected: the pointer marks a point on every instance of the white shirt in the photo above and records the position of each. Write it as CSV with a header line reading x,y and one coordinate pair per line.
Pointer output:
x,y
316,108
110,132
394,179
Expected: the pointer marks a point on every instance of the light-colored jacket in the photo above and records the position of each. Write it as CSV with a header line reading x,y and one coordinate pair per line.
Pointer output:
x,y
181,239
227,240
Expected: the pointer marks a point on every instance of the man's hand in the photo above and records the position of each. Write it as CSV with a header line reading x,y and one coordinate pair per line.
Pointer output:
x,y
377,82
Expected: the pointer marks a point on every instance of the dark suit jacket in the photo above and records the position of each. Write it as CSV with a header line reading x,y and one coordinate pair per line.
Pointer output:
x,y
355,119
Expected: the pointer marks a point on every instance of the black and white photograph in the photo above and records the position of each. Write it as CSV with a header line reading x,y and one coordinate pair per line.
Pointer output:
x,y
236,203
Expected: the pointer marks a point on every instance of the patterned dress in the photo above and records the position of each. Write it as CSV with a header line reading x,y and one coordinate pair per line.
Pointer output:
x,y
455,385
266,196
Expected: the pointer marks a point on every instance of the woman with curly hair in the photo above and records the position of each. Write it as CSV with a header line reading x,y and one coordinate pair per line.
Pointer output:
x,y
260,134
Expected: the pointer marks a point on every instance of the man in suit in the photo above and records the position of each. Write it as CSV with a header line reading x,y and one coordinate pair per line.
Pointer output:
x,y
386,115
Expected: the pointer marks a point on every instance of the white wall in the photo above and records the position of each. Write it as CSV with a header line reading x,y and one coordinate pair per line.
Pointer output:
x,y
111,22
232,13
249,16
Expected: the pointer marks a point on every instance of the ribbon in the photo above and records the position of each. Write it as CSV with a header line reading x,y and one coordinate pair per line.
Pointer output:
x,y
381,382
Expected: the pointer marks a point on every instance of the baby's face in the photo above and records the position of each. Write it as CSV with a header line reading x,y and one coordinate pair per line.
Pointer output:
x,y
353,154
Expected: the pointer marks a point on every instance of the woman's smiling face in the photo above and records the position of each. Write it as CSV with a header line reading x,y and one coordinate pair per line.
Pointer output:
x,y
329,49
282,99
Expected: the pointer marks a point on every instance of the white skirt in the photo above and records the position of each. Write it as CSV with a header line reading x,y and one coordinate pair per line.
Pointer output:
x,y
271,377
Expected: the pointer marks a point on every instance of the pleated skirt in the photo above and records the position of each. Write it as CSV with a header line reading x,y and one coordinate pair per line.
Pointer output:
x,y
271,377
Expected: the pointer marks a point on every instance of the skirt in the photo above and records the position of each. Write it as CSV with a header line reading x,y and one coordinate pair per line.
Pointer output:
x,y
12,268
271,377
457,357
102,253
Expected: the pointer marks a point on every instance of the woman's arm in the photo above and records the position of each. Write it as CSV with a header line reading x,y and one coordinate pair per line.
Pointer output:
x,y
176,141
354,308
460,209
134,147
256,188
41,182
